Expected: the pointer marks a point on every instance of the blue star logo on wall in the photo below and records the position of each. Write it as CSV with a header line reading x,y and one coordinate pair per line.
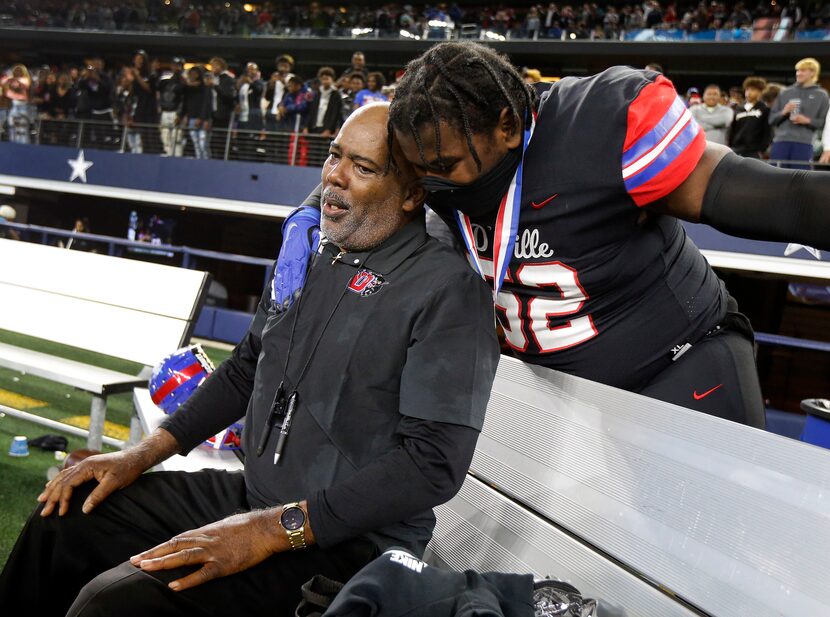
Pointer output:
x,y
79,167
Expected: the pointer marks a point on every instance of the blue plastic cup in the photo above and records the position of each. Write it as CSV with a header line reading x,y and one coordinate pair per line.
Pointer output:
x,y
19,447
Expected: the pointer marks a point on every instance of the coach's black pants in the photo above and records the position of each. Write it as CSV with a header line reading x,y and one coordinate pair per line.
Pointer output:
x,y
84,558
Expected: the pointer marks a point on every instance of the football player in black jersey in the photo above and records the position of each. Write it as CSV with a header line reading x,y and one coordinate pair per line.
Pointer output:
x,y
569,205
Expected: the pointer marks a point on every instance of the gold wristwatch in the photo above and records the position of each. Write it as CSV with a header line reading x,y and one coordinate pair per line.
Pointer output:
x,y
292,520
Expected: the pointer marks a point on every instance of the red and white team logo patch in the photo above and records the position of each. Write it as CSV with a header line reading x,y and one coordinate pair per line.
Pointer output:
x,y
366,283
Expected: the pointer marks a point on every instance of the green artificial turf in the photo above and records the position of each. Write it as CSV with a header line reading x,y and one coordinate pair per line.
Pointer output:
x,y
22,479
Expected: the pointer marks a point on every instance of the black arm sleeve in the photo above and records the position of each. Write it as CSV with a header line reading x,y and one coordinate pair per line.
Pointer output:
x,y
220,401
752,199
426,470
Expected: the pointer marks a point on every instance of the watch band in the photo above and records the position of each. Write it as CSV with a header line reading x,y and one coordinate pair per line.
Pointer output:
x,y
296,537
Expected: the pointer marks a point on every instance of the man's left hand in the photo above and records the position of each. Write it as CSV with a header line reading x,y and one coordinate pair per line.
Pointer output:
x,y
799,119
222,548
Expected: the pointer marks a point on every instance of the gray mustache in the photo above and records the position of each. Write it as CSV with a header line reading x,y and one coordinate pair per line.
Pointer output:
x,y
333,198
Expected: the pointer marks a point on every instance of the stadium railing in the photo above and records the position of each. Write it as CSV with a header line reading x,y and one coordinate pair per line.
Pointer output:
x,y
287,148
814,165
653,508
260,146
117,247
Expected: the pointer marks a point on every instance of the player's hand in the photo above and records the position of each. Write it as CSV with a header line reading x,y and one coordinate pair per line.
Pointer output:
x,y
222,548
789,107
300,238
825,157
113,471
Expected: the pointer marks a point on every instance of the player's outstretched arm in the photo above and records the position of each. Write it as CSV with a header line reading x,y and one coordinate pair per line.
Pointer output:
x,y
752,199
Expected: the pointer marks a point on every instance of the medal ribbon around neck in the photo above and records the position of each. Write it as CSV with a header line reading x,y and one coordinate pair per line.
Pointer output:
x,y
507,222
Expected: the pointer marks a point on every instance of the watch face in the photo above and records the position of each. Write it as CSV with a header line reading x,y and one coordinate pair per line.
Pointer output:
x,y
292,518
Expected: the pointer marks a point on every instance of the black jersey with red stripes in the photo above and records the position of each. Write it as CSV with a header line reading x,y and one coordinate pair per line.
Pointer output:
x,y
598,286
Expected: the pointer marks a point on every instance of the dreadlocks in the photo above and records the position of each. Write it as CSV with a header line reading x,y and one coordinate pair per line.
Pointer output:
x,y
464,84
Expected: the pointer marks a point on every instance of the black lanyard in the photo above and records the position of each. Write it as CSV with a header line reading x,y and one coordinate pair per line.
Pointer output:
x,y
286,407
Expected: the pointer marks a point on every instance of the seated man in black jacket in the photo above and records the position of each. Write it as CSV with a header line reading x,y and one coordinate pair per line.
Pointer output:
x,y
363,403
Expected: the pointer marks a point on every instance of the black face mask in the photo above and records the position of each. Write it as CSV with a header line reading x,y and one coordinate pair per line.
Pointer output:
x,y
481,196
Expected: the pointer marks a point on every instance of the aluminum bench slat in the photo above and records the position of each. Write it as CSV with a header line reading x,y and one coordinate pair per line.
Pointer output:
x,y
734,520
483,530
69,372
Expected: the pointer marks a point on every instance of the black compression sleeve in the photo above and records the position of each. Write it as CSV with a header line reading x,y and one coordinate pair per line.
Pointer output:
x,y
223,397
221,400
752,199
426,470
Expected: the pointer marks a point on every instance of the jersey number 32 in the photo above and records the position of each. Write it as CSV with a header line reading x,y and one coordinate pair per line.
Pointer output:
x,y
545,317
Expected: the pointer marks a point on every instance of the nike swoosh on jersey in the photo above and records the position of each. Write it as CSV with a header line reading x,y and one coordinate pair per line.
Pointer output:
x,y
705,394
544,203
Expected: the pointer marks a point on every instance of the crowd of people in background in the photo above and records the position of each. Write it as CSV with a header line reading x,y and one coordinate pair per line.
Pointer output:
x,y
210,110
166,105
767,120
554,20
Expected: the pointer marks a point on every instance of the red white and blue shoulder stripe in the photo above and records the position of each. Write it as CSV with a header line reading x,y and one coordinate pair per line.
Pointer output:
x,y
663,143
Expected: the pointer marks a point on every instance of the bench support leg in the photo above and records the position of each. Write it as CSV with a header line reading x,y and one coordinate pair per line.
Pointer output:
x,y
97,415
135,429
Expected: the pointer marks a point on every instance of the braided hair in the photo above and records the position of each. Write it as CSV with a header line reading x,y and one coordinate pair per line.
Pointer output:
x,y
463,84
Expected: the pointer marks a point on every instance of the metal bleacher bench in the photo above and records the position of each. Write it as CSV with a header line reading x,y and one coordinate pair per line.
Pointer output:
x,y
655,509
127,309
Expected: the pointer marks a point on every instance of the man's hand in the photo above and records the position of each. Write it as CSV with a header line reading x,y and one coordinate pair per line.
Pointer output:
x,y
113,471
790,107
799,119
222,548
300,238
825,157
